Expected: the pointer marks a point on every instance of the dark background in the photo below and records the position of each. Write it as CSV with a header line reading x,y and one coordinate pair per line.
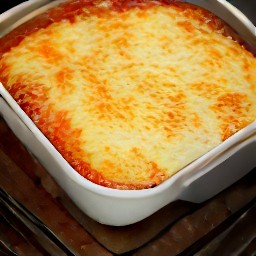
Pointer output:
x,y
248,7
7,4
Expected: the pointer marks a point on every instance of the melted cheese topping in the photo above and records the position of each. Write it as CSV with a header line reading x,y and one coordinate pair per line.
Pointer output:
x,y
130,98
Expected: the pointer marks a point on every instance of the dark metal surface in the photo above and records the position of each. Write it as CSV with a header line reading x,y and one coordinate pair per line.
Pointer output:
x,y
10,207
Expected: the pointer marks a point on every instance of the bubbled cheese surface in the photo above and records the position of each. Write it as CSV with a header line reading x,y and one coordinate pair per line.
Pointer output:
x,y
133,96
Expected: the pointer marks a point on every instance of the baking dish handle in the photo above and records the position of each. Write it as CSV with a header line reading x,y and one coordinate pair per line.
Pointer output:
x,y
222,171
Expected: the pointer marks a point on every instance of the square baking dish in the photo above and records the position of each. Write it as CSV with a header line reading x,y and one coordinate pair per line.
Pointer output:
x,y
197,182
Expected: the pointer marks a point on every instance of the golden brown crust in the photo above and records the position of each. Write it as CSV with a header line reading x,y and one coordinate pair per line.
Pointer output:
x,y
68,11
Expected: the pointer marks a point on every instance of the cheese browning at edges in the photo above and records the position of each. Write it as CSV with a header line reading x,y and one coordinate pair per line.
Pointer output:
x,y
130,94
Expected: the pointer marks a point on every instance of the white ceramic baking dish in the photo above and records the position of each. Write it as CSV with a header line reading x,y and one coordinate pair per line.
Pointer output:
x,y
200,180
